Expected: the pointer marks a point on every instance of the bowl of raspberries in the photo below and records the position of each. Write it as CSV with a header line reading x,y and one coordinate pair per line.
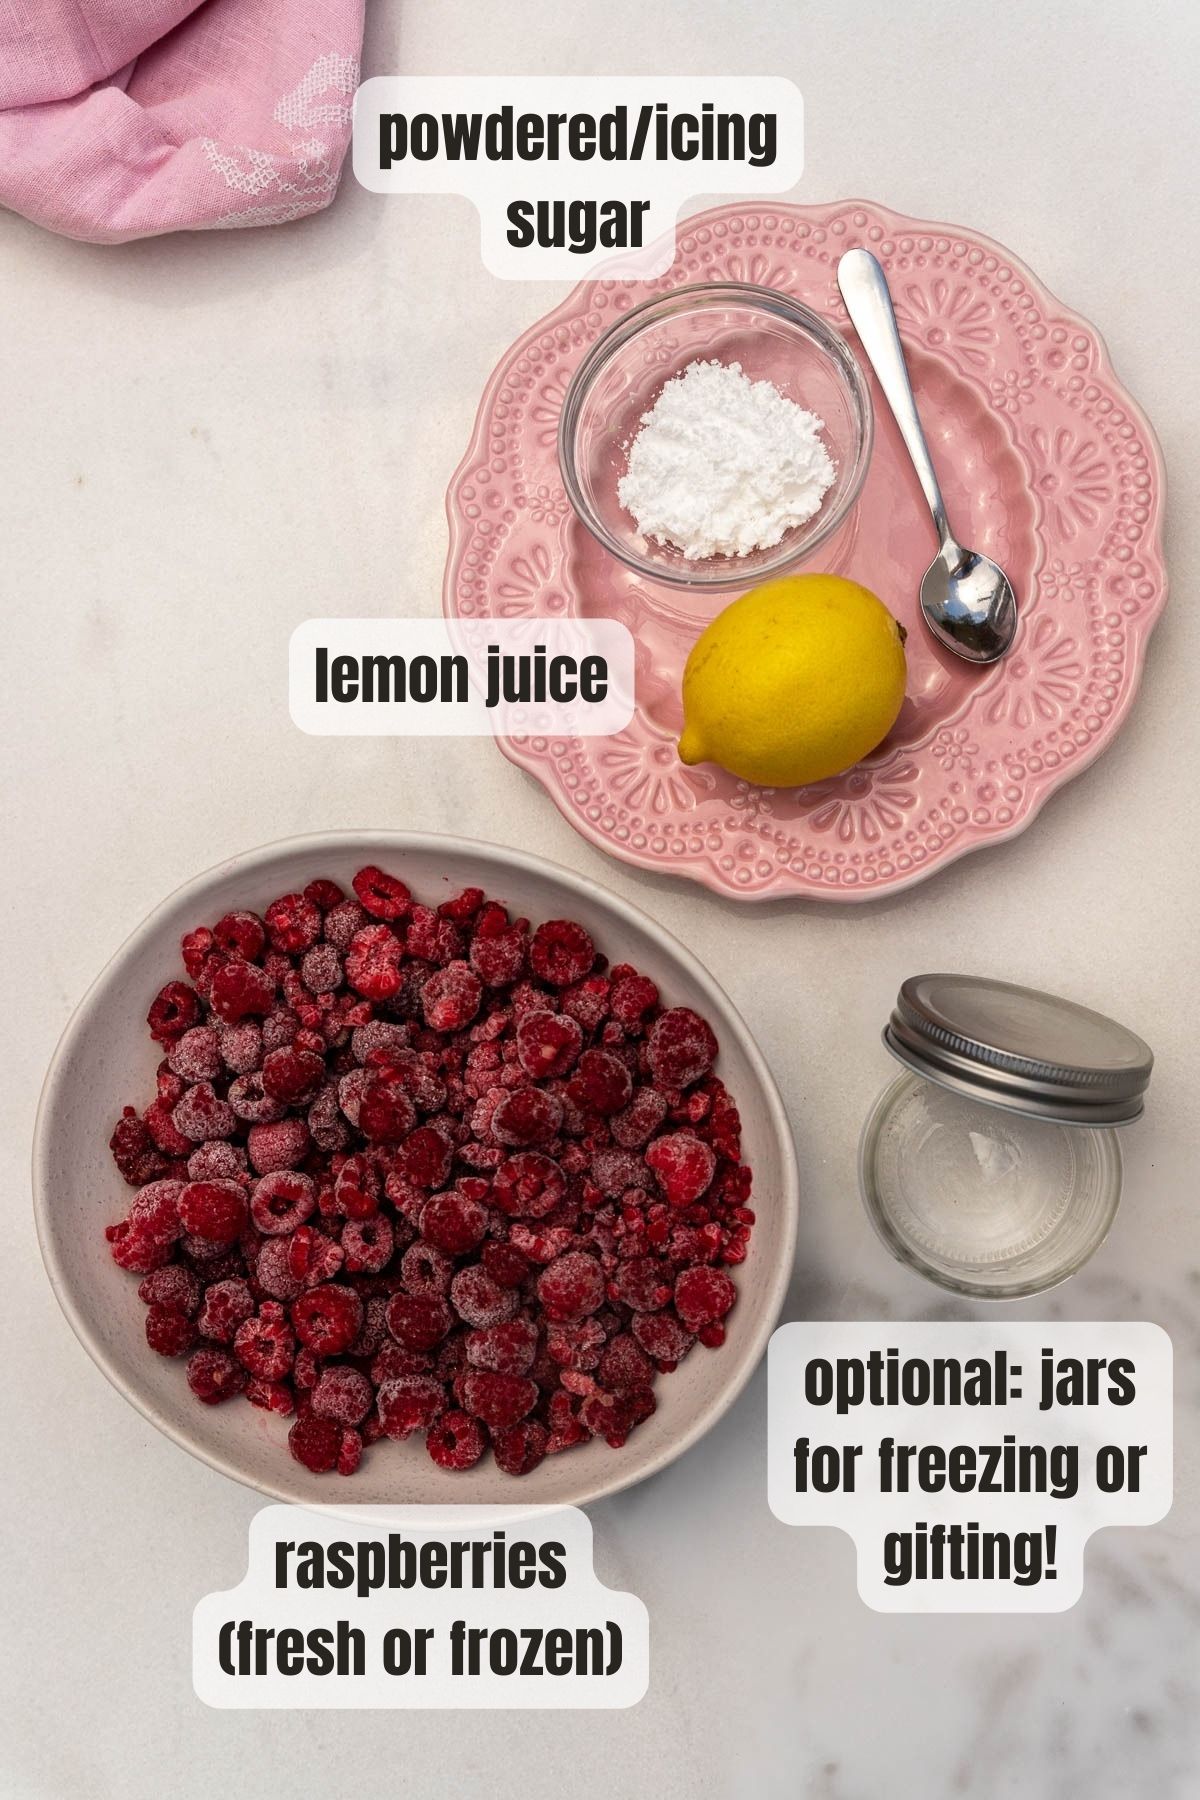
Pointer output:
x,y
417,1162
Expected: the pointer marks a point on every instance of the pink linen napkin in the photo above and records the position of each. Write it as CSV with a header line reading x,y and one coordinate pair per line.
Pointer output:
x,y
121,120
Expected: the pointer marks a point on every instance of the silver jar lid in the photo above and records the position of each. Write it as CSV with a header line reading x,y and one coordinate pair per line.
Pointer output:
x,y
1014,1047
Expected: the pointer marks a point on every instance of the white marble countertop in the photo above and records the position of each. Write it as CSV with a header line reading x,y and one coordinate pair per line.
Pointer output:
x,y
207,439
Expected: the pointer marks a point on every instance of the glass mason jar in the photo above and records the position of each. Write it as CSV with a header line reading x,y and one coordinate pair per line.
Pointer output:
x,y
992,1164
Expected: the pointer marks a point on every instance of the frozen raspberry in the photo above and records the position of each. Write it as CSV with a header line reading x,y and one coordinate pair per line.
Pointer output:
x,y
161,1126
633,996
373,962
431,937
702,1296
499,1400
588,1002
213,1375
681,1048
540,1246
520,1449
548,1043
642,1283
528,1116
273,1271
291,1074
201,1115
498,957
324,894
367,1245
561,952
575,1345
683,1164
418,1321
451,998
326,1125
342,1394
134,1151
316,1442
250,1101
624,1367
479,1300
424,1159
662,1337
169,1331
197,1054
601,1082
528,1185
321,971
571,1286
409,1403
226,1305
271,1396
175,1009
505,1264
382,895
379,1035
454,1223
506,1349
293,924
616,1171
213,1210
637,1124
280,1145
328,1319
312,1257
423,1085
241,934
241,1046
174,1287
266,1344
426,1271
343,922
456,1441
282,1201
241,989
464,906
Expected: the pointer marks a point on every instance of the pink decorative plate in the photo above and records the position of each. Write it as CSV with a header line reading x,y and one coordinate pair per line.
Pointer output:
x,y
1047,465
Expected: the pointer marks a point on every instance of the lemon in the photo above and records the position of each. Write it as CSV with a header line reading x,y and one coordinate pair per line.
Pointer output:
x,y
795,681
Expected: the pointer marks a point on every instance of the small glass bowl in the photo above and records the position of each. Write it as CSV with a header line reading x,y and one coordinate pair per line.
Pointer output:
x,y
775,339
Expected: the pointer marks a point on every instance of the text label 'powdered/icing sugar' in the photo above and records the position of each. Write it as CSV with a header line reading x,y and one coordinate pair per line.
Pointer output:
x,y
969,1462
361,1606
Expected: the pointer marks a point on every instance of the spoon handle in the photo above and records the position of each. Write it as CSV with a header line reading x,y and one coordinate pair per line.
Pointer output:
x,y
869,303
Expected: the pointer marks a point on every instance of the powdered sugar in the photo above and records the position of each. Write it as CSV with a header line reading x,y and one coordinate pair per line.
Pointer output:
x,y
723,465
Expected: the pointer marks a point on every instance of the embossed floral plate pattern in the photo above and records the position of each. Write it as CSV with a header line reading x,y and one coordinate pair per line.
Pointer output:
x,y
1047,465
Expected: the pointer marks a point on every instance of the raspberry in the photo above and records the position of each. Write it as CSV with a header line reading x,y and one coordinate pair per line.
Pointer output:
x,y
479,1300
498,958
200,1115
326,1126
272,1396
662,1337
293,924
409,1403
282,1144
642,1283
367,1245
548,1043
134,1151
702,1296
163,1135
528,1116
316,1442
266,1345
681,1048
571,1286
321,971
561,952
291,1075
373,962
456,1441
528,1185
273,1270
324,894
312,1257
169,1331
683,1164
382,895
418,1321
602,1082
637,1124
343,922
521,1448
463,908
214,1376
379,1035
240,989
633,996
575,1346
425,1270
451,998
241,934
432,938
506,1265
213,1210
624,1367
241,1046
174,1010
499,1400
197,1054
173,1287
616,1171
328,1319
342,1394
250,1101
453,1223
282,1201
226,1304
506,1349
588,1002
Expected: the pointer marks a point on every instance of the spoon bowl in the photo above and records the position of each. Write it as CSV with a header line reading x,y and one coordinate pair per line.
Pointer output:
x,y
968,605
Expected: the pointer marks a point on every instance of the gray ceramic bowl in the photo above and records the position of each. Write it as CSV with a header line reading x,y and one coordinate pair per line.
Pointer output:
x,y
106,1060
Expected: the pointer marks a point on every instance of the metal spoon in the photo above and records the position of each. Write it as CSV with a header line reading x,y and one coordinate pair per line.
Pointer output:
x,y
967,600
